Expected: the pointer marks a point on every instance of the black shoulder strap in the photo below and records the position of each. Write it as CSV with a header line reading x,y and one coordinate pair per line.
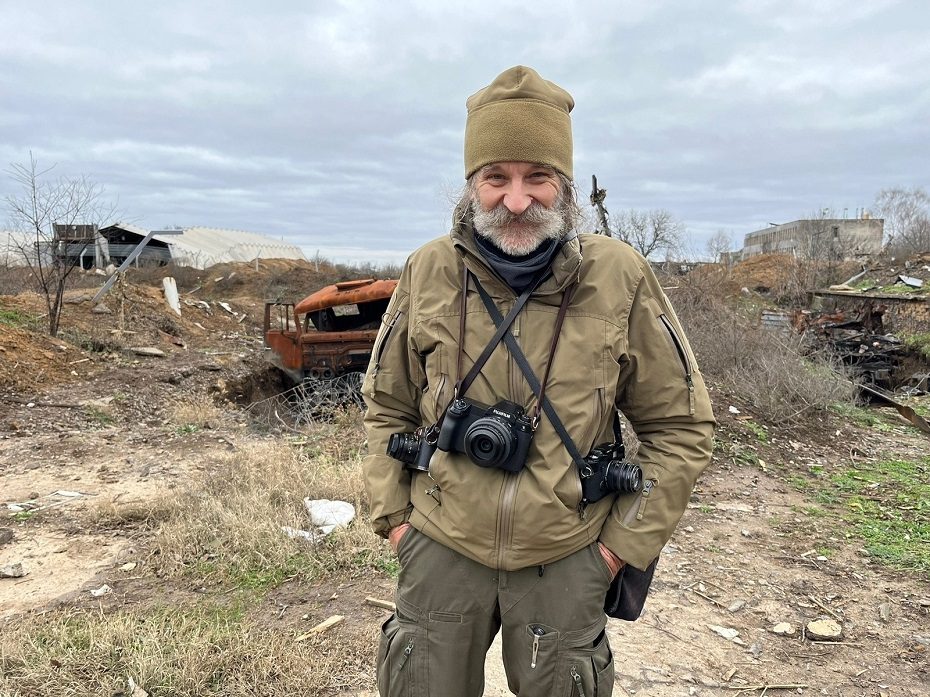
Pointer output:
x,y
527,371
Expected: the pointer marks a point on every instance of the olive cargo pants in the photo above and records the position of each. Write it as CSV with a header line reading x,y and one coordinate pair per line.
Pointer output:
x,y
449,608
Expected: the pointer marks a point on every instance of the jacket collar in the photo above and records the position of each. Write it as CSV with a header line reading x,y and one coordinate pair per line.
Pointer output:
x,y
566,264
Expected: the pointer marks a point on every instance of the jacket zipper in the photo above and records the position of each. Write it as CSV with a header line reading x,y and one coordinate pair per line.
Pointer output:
x,y
509,495
638,509
683,357
382,347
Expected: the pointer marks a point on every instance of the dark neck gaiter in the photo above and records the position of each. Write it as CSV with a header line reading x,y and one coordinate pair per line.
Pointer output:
x,y
517,271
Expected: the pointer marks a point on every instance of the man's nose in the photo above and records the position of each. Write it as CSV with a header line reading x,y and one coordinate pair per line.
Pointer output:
x,y
517,199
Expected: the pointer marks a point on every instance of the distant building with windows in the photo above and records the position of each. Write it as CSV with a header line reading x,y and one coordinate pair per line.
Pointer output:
x,y
819,238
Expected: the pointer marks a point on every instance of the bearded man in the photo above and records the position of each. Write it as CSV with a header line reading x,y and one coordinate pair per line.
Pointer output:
x,y
483,469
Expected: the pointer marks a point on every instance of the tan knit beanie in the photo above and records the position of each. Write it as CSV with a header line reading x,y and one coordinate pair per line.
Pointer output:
x,y
519,118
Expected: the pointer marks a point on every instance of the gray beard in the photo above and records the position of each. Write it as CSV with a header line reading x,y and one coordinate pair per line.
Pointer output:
x,y
537,225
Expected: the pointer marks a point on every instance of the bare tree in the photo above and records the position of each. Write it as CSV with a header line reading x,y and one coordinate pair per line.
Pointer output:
x,y
907,219
650,232
719,245
58,220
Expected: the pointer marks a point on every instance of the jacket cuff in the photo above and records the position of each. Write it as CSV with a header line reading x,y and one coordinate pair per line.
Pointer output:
x,y
383,525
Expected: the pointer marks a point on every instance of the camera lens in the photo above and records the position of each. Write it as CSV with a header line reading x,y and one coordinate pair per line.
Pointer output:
x,y
404,447
623,477
488,442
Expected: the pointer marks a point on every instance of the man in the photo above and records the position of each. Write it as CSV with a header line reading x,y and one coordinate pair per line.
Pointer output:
x,y
519,544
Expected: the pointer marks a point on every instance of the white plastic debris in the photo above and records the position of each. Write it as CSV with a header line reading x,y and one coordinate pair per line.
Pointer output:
x,y
325,516
734,410
100,592
326,513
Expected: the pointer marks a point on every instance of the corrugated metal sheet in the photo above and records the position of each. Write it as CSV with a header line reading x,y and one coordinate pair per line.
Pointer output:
x,y
201,247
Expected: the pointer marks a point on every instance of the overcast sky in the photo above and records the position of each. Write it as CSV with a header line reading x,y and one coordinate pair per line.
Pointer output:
x,y
338,125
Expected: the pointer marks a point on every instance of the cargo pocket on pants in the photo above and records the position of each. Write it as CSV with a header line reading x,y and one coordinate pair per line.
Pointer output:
x,y
590,669
395,653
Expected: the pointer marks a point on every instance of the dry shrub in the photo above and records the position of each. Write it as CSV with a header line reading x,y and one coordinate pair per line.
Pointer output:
x,y
204,649
195,411
770,371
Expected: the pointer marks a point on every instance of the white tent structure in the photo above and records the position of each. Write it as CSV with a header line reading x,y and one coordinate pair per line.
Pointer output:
x,y
198,247
20,249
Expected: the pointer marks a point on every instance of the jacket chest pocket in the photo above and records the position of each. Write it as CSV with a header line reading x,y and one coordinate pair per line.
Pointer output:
x,y
439,385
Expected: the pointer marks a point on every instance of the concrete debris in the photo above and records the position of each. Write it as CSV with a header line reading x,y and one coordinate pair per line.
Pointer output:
x,y
170,289
147,351
12,571
824,630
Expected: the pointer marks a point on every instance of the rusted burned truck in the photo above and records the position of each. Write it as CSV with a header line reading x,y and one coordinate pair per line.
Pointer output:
x,y
328,334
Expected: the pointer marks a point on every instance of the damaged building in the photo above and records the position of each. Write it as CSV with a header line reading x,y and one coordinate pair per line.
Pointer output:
x,y
821,238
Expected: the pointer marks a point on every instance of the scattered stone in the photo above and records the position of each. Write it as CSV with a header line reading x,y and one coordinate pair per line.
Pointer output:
x,y
689,528
726,632
783,629
101,309
824,630
12,571
884,611
6,536
147,351
129,566
745,533
737,605
755,650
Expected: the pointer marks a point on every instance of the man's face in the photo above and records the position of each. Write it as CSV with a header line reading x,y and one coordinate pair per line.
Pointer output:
x,y
517,205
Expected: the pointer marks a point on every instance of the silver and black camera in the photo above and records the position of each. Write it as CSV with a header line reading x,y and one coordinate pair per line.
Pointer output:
x,y
606,472
492,436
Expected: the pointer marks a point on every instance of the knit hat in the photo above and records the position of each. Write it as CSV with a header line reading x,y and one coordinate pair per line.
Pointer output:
x,y
519,118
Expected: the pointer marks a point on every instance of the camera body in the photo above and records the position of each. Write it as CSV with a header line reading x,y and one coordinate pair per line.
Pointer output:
x,y
492,436
606,472
413,449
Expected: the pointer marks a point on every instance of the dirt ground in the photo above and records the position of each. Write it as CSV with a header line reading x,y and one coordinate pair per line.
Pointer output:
x,y
94,426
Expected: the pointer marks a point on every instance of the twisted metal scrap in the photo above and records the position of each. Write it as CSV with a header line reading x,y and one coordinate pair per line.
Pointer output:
x,y
315,400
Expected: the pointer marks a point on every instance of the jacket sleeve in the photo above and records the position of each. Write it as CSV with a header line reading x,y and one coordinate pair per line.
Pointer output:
x,y
662,393
391,390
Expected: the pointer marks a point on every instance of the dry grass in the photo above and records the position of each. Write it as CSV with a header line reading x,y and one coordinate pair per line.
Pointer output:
x,y
203,649
225,528
196,412
771,372
222,535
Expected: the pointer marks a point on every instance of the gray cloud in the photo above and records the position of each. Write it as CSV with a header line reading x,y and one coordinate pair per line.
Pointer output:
x,y
339,125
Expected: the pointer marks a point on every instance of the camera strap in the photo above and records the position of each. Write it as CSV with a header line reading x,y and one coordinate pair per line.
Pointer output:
x,y
538,389
502,324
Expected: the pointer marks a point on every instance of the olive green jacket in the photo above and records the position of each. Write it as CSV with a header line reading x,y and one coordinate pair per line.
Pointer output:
x,y
621,346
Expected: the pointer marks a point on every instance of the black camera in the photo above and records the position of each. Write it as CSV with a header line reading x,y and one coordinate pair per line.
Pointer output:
x,y
496,436
606,472
413,449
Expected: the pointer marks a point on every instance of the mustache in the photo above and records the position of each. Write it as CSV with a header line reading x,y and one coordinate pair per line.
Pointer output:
x,y
500,215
